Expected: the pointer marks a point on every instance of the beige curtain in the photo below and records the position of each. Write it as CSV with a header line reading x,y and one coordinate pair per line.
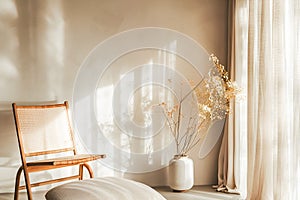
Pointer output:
x,y
232,169
266,54
273,99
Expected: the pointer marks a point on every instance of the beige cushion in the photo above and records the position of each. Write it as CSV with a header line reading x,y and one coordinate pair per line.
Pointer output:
x,y
103,188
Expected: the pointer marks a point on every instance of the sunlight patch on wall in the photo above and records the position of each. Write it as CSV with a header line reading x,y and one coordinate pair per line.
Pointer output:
x,y
131,73
55,31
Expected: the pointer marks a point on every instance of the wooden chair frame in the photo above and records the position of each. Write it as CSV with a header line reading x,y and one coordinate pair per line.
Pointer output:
x,y
47,164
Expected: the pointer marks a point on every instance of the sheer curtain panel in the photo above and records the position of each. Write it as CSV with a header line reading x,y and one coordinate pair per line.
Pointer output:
x,y
273,99
266,54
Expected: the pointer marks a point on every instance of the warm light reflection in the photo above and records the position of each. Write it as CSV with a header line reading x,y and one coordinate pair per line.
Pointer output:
x,y
142,66
8,9
7,69
55,31
104,105
128,85
9,44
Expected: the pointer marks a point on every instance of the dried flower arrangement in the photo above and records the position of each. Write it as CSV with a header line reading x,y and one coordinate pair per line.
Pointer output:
x,y
212,97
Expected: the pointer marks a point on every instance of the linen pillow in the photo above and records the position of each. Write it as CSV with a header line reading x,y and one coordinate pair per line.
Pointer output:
x,y
112,188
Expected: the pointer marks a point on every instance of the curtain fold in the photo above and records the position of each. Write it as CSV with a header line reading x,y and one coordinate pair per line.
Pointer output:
x,y
226,180
273,100
232,164
265,60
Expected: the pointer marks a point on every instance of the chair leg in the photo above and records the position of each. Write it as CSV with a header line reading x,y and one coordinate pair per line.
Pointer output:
x,y
17,183
88,167
27,183
80,171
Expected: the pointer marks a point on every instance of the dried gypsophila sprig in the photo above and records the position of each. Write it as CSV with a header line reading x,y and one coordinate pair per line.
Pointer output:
x,y
213,95
184,139
231,87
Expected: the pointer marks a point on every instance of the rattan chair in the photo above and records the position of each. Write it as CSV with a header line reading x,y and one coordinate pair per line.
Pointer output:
x,y
45,131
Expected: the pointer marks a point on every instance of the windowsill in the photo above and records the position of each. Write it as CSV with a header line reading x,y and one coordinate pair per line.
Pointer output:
x,y
197,192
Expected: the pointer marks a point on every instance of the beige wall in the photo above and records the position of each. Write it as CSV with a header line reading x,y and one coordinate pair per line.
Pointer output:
x,y
43,44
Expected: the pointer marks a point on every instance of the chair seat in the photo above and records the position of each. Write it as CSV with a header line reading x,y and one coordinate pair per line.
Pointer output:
x,y
67,160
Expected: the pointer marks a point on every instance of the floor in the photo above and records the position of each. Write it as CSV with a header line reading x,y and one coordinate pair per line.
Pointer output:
x,y
197,193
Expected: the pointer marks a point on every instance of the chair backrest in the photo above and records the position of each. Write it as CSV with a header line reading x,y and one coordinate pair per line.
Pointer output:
x,y
43,129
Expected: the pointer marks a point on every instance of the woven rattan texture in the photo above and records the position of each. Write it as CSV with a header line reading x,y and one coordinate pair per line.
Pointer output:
x,y
44,129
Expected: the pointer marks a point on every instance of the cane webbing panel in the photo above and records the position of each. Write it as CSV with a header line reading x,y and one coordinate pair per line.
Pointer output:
x,y
44,129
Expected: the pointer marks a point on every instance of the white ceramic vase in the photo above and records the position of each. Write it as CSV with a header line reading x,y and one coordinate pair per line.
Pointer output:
x,y
181,173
